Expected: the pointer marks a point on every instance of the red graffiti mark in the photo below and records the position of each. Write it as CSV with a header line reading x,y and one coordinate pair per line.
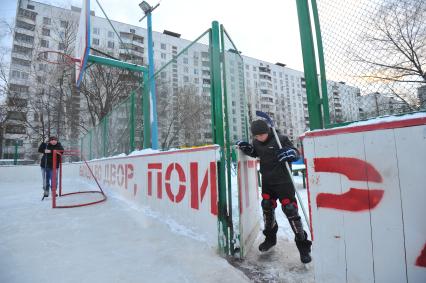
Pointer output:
x,y
421,259
239,188
353,168
309,199
353,200
157,167
182,179
246,183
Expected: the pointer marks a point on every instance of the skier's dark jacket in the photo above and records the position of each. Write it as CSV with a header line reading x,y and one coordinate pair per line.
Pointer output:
x,y
49,162
273,172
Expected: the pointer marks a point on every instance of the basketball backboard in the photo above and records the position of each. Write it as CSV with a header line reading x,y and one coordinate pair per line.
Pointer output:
x,y
82,42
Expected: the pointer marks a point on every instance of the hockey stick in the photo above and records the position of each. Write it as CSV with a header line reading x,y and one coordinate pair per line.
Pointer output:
x,y
271,124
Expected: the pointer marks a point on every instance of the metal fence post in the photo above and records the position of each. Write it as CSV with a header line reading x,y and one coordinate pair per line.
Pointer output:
x,y
309,66
132,121
216,93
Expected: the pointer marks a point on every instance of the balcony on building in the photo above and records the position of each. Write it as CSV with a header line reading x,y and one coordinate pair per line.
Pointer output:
x,y
265,77
24,40
26,15
131,52
129,37
22,52
264,70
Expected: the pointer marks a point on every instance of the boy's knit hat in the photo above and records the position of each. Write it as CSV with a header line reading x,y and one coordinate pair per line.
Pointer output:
x,y
259,127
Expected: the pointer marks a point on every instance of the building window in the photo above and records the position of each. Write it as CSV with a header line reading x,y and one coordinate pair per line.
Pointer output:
x,y
47,21
110,44
18,88
30,7
42,67
185,79
22,50
61,46
44,43
27,14
132,31
24,38
96,31
163,46
16,74
95,41
45,31
15,115
110,34
64,24
163,56
24,25
185,60
21,62
15,129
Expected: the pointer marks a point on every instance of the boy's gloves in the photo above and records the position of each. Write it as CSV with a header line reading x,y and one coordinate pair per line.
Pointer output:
x,y
245,147
287,154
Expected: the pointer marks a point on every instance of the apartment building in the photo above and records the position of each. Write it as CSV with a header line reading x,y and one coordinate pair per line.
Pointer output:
x,y
252,84
379,104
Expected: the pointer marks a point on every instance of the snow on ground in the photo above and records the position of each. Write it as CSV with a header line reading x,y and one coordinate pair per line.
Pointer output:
x,y
118,241
281,263
107,242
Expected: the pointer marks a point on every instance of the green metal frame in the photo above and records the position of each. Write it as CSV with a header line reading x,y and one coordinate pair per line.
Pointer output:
x,y
219,138
132,121
227,147
309,64
325,107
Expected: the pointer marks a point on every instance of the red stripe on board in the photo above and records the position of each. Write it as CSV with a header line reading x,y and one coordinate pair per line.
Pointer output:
x,y
239,188
353,168
353,200
309,198
371,127
421,260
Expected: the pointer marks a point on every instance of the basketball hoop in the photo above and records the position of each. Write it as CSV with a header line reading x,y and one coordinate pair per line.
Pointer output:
x,y
60,58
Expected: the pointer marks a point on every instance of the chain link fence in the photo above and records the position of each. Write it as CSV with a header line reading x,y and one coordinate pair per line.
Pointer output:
x,y
183,94
120,131
375,57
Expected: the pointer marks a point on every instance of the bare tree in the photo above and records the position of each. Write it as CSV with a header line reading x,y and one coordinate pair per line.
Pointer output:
x,y
5,31
182,116
52,108
104,87
399,37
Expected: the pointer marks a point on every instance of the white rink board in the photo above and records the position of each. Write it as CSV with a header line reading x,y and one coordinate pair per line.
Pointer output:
x,y
248,202
367,196
181,185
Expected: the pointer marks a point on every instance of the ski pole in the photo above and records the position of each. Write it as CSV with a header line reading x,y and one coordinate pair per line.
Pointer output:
x,y
271,124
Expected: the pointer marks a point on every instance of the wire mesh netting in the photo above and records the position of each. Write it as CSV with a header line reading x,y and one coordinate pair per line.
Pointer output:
x,y
121,131
183,94
375,57
236,105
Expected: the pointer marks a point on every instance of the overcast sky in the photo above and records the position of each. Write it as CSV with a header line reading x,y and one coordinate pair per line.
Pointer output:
x,y
266,30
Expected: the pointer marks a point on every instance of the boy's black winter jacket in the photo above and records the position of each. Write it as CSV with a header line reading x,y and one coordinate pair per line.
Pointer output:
x,y
273,172
49,162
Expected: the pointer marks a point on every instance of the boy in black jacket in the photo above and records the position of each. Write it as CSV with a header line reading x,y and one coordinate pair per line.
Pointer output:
x,y
276,185
46,163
